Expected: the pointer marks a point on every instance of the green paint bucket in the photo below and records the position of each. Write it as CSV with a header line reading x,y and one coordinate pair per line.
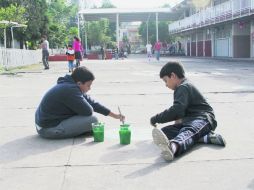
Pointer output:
x,y
125,134
98,132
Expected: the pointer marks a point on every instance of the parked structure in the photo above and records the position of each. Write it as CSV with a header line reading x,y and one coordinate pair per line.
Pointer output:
x,y
223,28
125,15
130,31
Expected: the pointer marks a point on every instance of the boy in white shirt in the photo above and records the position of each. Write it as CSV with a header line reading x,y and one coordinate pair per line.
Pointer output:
x,y
149,50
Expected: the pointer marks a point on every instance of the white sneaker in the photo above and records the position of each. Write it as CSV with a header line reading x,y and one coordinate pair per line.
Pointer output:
x,y
160,139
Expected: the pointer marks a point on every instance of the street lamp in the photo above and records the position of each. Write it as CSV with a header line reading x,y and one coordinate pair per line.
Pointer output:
x,y
147,29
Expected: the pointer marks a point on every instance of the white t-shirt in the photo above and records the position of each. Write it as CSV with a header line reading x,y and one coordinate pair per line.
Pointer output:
x,y
45,45
148,47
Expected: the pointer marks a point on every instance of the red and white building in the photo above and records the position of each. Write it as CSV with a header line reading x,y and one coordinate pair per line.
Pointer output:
x,y
217,28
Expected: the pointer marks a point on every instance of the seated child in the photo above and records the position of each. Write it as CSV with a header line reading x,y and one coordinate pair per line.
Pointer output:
x,y
66,110
195,117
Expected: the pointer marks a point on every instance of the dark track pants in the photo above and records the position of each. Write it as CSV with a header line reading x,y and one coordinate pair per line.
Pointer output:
x,y
187,134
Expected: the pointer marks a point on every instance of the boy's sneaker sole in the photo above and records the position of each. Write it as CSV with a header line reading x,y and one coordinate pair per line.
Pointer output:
x,y
160,139
216,139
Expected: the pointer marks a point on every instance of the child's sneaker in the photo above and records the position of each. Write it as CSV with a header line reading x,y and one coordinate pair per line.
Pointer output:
x,y
217,139
160,139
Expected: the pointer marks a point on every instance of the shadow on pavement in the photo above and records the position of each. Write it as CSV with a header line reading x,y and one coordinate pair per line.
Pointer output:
x,y
30,145
251,184
139,150
157,165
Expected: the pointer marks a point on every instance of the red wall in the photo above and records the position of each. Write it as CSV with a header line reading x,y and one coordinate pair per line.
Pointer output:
x,y
208,48
200,48
188,49
193,48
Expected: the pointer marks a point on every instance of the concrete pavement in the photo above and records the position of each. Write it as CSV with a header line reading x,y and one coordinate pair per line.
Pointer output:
x,y
30,162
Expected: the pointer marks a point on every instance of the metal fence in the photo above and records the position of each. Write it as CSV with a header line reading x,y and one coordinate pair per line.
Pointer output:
x,y
19,57
228,10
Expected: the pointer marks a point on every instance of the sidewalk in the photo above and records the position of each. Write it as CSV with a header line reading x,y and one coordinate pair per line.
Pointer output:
x,y
29,162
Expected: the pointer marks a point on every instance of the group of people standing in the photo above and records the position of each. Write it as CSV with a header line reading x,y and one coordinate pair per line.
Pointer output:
x,y
73,53
173,49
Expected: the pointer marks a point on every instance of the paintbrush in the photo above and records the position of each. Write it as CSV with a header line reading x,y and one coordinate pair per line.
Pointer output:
x,y
120,114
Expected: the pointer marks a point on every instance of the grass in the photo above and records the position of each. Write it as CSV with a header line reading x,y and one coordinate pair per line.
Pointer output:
x,y
1,69
14,70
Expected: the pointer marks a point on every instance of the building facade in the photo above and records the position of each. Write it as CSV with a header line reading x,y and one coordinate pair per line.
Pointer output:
x,y
217,28
129,30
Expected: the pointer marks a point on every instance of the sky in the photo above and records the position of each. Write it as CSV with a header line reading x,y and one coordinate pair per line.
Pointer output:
x,y
140,3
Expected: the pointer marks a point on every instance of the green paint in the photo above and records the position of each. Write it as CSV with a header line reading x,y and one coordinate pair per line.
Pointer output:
x,y
125,134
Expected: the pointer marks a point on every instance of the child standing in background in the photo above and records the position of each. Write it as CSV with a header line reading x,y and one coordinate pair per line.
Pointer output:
x,y
70,57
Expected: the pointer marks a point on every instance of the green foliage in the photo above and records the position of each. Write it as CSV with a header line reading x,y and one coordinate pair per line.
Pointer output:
x,y
31,13
125,39
37,21
56,19
162,28
107,4
62,23
102,32
97,32
13,13
73,31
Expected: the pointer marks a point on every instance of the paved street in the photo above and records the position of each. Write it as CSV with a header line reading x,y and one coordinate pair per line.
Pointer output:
x,y
29,162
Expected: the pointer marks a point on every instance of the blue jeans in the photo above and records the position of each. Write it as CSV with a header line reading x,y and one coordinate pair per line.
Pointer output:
x,y
71,127
157,53
70,65
185,135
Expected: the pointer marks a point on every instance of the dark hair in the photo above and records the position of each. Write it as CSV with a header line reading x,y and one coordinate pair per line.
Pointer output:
x,y
82,74
172,67
70,45
44,36
76,38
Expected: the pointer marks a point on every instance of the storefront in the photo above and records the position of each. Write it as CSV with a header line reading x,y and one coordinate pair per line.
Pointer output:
x,y
222,41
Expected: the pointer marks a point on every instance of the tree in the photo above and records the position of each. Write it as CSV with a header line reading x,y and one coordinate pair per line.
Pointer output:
x,y
162,28
35,15
13,13
53,19
37,24
101,32
107,4
97,32
62,23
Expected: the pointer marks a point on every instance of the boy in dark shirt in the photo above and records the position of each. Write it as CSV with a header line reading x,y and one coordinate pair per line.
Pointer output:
x,y
195,120
66,110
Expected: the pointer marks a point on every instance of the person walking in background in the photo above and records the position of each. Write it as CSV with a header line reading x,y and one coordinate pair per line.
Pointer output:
x,y
179,47
70,57
77,48
102,53
157,48
45,51
149,50
115,52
